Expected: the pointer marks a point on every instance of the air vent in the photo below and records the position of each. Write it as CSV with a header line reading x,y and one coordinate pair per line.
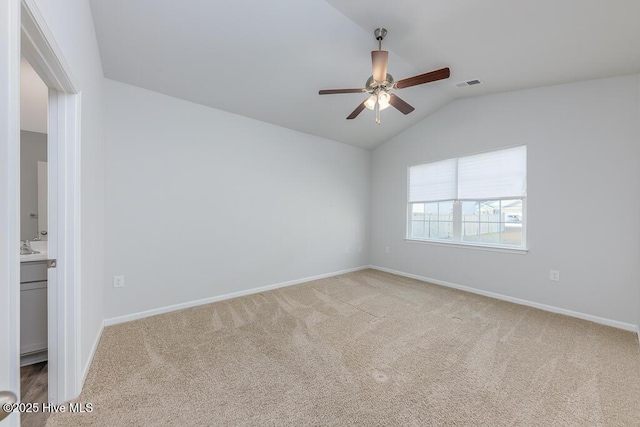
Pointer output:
x,y
468,83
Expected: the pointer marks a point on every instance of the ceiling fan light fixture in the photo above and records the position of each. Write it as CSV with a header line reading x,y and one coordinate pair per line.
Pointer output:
x,y
383,100
370,103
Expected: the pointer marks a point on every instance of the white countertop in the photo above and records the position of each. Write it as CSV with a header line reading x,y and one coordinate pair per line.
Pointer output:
x,y
36,246
42,256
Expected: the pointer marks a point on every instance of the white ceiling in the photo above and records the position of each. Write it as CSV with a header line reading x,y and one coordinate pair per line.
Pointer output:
x,y
267,60
34,96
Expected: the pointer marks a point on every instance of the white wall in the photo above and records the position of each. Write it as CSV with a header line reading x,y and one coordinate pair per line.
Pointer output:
x,y
201,202
583,167
34,96
33,149
71,23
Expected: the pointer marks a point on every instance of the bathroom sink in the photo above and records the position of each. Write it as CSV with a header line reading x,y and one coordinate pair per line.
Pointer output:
x,y
39,246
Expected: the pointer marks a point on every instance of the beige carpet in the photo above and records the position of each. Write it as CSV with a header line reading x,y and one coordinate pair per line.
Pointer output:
x,y
366,348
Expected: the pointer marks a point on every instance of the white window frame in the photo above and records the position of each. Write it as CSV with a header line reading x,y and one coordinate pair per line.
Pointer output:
x,y
457,223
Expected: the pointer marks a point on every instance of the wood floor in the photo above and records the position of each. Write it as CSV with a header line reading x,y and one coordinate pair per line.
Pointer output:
x,y
33,386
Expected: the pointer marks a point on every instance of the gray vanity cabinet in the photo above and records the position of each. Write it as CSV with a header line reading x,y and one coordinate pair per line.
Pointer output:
x,y
33,312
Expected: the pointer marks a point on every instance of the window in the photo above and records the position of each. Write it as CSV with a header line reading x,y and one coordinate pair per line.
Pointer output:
x,y
476,200
432,220
493,222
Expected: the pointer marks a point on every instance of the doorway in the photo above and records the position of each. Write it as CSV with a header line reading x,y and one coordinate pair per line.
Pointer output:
x,y
63,229
23,31
34,202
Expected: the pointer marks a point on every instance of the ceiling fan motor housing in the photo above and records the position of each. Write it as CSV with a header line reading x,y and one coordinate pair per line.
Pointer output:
x,y
372,86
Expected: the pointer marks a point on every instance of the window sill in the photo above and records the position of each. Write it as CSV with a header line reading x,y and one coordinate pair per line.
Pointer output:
x,y
520,251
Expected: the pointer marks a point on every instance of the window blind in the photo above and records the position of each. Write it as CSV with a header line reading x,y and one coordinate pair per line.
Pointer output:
x,y
433,182
495,175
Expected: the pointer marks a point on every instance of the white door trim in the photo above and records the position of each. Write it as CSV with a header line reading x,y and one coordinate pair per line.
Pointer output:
x,y
64,229
40,49
10,199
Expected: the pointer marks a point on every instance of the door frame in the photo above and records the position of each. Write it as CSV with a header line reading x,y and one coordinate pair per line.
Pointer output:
x,y
37,44
9,198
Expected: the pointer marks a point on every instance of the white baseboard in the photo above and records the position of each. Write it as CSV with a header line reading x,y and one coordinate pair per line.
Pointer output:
x,y
33,348
35,357
87,365
189,304
603,321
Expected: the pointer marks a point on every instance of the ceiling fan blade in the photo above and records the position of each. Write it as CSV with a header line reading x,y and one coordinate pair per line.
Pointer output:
x,y
400,104
379,59
355,112
432,76
333,91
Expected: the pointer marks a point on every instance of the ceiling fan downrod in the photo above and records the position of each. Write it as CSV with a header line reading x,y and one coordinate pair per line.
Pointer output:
x,y
379,34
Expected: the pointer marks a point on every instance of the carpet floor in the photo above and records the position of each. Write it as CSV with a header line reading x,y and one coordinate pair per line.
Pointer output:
x,y
365,348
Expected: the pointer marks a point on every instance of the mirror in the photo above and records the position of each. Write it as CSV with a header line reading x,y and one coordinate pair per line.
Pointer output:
x,y
42,200
33,184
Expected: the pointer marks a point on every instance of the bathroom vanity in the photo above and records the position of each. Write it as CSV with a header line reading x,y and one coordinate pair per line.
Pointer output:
x,y
33,308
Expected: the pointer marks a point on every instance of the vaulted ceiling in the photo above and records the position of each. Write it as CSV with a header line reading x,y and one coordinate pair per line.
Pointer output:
x,y
267,60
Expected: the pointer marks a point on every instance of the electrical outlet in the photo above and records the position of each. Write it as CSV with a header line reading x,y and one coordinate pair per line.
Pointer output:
x,y
554,275
348,249
387,249
118,281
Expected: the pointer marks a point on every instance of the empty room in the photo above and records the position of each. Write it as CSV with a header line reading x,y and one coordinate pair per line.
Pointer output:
x,y
320,212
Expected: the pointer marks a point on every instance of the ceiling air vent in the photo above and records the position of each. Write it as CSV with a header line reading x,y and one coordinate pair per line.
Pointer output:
x,y
473,82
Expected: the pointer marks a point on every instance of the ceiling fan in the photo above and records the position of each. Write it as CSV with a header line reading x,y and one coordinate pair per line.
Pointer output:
x,y
381,83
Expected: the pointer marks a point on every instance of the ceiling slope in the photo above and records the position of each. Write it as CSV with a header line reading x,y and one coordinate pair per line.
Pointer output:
x,y
264,60
507,44
267,60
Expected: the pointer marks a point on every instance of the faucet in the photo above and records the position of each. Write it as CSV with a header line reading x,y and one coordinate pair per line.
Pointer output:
x,y
25,248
